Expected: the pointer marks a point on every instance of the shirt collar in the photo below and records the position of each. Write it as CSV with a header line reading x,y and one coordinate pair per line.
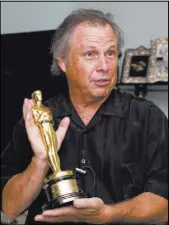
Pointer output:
x,y
113,104
62,105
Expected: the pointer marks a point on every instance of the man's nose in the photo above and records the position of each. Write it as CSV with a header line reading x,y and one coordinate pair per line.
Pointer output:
x,y
102,64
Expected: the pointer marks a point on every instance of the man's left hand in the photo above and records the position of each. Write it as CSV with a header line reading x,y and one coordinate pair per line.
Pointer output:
x,y
90,210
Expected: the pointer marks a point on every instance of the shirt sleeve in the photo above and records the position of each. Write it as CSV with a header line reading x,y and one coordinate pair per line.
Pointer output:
x,y
16,157
157,153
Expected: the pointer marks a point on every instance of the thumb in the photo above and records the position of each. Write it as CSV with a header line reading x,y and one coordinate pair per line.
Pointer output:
x,y
90,203
62,129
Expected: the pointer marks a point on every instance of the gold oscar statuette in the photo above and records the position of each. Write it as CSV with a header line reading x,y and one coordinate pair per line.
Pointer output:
x,y
60,187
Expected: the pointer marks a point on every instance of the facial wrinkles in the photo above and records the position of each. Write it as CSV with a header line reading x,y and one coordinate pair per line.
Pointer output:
x,y
100,43
92,40
94,74
98,35
99,47
101,64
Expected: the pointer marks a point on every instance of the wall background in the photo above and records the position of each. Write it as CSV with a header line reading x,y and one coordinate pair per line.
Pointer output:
x,y
140,21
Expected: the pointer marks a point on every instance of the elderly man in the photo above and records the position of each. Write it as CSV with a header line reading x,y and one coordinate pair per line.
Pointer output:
x,y
121,141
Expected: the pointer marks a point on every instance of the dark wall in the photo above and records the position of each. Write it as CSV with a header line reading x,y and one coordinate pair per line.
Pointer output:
x,y
25,67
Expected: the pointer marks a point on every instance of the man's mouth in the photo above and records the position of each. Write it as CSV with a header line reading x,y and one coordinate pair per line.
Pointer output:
x,y
102,82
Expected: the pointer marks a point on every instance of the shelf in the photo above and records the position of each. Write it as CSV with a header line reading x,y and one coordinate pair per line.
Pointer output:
x,y
141,90
149,84
131,87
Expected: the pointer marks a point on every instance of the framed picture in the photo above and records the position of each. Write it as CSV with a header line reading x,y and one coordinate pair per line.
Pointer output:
x,y
158,70
135,66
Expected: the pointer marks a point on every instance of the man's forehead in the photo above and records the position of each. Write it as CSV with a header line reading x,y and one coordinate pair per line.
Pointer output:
x,y
85,27
90,34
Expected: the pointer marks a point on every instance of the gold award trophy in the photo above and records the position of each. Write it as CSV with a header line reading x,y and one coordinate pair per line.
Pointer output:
x,y
61,187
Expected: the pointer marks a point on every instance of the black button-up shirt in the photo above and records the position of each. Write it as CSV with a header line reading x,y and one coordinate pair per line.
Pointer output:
x,y
123,149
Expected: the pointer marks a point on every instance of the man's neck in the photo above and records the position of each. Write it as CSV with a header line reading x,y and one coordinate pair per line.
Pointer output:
x,y
86,108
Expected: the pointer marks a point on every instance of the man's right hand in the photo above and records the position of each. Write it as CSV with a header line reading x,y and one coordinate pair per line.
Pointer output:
x,y
33,132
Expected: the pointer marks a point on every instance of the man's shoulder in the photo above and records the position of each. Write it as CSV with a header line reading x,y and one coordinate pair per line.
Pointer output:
x,y
132,104
128,99
60,105
52,101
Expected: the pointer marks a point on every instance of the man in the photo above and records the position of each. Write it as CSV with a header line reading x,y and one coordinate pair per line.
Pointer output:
x,y
120,141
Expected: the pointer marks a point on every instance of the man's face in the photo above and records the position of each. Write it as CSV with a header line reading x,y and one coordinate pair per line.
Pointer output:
x,y
92,66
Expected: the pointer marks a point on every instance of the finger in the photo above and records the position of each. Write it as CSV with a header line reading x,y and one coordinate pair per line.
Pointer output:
x,y
25,104
24,107
91,203
28,114
31,102
64,211
62,129
57,218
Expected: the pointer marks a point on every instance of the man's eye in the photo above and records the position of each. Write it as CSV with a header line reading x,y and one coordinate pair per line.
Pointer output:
x,y
89,55
110,53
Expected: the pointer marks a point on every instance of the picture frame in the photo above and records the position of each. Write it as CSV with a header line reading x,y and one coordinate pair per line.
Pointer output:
x,y
158,66
135,66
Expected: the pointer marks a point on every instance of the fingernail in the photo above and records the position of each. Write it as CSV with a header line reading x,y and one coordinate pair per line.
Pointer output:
x,y
46,213
67,118
37,218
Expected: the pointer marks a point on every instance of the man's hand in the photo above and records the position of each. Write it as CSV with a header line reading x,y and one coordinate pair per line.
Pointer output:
x,y
34,133
90,210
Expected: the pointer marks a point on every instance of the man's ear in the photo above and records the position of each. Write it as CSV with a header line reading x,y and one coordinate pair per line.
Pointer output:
x,y
61,63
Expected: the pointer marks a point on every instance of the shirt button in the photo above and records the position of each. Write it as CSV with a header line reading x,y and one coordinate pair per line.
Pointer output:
x,y
83,161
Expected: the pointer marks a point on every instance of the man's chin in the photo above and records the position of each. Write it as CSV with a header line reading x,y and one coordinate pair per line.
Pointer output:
x,y
101,94
102,91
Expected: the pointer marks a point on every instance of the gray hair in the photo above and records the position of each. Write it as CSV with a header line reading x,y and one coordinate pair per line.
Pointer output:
x,y
60,44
